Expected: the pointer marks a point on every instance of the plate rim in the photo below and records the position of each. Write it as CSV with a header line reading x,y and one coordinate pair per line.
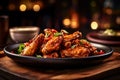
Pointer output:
x,y
90,37
89,57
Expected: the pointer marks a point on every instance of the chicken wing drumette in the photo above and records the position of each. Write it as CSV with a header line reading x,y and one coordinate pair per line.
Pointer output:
x,y
79,48
32,46
73,47
68,39
78,51
52,45
49,33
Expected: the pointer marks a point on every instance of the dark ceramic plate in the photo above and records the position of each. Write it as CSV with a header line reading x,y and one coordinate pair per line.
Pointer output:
x,y
59,62
102,39
102,36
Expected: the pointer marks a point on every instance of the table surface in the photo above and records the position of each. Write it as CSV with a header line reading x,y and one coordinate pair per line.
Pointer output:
x,y
109,68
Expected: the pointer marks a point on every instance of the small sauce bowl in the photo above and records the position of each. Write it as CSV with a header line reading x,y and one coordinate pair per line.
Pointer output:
x,y
23,33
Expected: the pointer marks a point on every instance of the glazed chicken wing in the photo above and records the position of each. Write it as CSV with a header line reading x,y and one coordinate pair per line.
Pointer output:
x,y
49,33
30,49
51,55
52,45
75,52
70,37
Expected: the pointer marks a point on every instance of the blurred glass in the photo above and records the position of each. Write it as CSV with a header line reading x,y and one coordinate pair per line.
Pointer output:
x,y
3,30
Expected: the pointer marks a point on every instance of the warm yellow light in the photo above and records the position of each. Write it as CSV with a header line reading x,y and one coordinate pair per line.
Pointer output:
x,y
118,20
36,7
94,25
74,24
22,7
66,22
74,20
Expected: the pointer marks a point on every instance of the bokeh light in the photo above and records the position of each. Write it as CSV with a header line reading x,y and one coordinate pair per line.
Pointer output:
x,y
94,25
23,7
66,22
36,7
118,20
74,24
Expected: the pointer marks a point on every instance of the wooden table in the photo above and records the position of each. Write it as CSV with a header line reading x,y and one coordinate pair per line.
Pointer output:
x,y
108,70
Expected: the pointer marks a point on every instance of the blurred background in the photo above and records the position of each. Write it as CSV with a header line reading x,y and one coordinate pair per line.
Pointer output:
x,y
72,15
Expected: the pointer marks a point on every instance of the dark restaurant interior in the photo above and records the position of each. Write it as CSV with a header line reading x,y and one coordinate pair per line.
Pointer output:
x,y
97,20
71,15
54,13
51,13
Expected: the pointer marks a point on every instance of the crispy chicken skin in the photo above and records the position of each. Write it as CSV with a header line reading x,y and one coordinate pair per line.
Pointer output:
x,y
52,45
75,35
31,48
78,48
69,38
75,52
51,55
49,33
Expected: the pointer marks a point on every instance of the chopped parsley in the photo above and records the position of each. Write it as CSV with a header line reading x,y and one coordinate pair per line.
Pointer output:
x,y
73,46
20,48
57,34
38,56
47,35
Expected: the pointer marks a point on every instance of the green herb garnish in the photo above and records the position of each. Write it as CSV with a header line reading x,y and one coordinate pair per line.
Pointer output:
x,y
73,46
83,41
57,34
38,56
47,35
20,48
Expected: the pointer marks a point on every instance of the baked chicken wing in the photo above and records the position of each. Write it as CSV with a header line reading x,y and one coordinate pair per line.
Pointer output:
x,y
70,37
49,33
51,55
68,40
52,45
75,52
30,49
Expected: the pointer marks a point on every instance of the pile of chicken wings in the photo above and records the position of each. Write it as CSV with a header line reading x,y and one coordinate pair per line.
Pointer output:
x,y
54,44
